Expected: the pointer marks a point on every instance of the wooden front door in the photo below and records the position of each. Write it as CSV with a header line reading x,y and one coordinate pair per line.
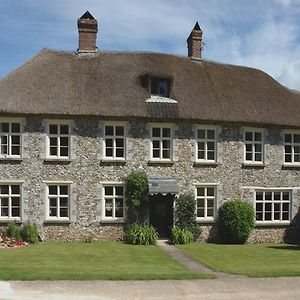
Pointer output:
x,y
161,214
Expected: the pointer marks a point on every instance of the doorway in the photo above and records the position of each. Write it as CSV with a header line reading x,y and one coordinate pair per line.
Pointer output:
x,y
161,214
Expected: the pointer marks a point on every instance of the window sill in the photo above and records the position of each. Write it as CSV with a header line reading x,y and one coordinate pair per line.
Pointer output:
x,y
287,166
271,223
205,221
8,220
57,221
113,160
253,165
112,221
205,163
11,158
160,162
57,160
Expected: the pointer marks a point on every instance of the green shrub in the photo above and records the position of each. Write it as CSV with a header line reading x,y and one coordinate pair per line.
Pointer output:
x,y
14,231
136,190
29,233
141,235
181,235
185,211
236,221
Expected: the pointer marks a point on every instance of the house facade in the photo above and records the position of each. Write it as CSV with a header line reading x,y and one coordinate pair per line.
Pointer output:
x,y
74,125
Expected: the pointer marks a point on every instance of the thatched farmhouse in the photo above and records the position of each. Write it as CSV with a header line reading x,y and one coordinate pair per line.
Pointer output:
x,y
73,125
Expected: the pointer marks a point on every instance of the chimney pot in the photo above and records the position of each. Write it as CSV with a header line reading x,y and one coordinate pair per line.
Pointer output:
x,y
87,30
194,42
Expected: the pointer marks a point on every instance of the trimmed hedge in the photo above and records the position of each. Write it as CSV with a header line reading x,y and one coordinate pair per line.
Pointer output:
x,y
236,221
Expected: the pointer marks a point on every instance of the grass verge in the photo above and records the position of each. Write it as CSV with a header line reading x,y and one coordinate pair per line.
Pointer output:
x,y
95,261
266,260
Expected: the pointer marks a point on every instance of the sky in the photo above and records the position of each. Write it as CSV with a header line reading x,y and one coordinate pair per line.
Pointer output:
x,y
263,34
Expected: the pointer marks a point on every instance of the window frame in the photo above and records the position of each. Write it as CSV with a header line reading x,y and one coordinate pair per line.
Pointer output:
x,y
206,219
113,218
272,202
253,143
9,134
292,144
206,140
160,159
9,196
58,136
57,218
114,137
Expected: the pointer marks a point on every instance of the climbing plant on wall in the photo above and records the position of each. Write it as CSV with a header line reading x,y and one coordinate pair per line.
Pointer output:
x,y
136,191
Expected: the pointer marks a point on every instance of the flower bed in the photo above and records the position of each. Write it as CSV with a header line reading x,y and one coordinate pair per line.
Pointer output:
x,y
9,242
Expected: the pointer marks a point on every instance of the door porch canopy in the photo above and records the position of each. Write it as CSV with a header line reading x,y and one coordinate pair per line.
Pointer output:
x,y
162,185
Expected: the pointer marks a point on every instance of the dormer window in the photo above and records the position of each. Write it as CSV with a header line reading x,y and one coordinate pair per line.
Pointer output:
x,y
160,87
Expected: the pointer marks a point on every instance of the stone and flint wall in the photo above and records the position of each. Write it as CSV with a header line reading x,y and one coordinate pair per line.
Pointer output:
x,y
86,171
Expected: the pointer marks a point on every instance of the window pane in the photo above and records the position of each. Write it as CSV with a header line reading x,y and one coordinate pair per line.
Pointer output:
x,y
156,132
200,191
288,138
259,196
119,153
163,88
109,143
108,190
285,207
4,212
259,207
248,136
277,196
297,158
15,127
63,189
259,216
64,151
201,154
53,202
119,191
296,138
119,203
4,189
53,141
296,149
258,157
53,150
258,136
52,190
210,191
15,189
285,216
15,212
15,201
108,207
288,158
119,213
15,150
210,203
63,202
109,130
211,134
268,196
210,145
53,129
166,144
109,152
15,139
268,216
200,203
257,147
64,141
201,146
4,202
53,211
201,134
248,147
120,130
210,212
63,212
200,213
120,143
156,153
248,156
4,127
64,129
156,144
166,154
210,155
166,132
285,196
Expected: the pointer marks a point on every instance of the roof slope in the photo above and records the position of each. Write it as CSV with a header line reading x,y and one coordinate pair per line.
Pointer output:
x,y
108,84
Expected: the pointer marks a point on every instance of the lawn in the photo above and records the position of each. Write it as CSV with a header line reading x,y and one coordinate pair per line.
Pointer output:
x,y
83,261
267,260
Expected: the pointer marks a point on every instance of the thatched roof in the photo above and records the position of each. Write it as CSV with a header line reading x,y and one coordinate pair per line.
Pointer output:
x,y
110,85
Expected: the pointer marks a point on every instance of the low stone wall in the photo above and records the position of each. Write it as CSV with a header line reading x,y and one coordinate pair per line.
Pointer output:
x,y
70,233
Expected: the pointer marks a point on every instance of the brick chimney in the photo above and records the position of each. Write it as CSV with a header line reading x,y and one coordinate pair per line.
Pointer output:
x,y
87,29
194,42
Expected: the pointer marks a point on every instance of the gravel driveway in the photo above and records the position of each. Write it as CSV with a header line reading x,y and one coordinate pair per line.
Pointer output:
x,y
222,288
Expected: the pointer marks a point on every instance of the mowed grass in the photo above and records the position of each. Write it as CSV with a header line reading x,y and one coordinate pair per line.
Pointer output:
x,y
82,261
266,260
